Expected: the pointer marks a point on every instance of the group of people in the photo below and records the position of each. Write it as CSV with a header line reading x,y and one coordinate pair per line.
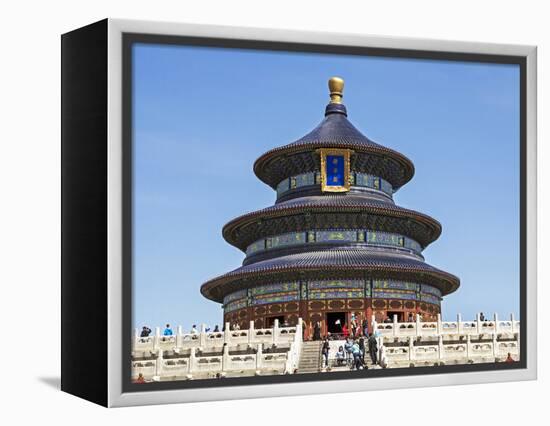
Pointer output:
x,y
354,331
146,331
353,352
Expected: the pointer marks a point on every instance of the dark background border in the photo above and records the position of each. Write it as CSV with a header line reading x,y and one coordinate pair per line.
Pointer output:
x,y
84,145
129,39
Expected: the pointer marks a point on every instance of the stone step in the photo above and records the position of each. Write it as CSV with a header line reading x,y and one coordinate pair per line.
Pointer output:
x,y
310,357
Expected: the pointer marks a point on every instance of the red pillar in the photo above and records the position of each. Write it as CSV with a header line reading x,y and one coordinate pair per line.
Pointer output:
x,y
368,313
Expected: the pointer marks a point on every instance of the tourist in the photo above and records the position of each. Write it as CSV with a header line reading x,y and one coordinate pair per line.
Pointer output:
x,y
387,320
140,378
145,331
509,359
168,331
236,326
340,356
411,317
356,352
338,326
362,348
325,351
365,328
348,346
216,329
317,331
481,316
345,331
285,323
373,349
194,329
353,326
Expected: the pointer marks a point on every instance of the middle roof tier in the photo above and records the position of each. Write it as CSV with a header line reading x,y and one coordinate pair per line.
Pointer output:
x,y
328,212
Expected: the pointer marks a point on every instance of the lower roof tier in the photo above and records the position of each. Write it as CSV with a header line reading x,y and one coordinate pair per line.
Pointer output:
x,y
338,263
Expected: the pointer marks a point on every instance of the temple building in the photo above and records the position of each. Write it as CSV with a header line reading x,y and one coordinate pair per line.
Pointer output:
x,y
334,245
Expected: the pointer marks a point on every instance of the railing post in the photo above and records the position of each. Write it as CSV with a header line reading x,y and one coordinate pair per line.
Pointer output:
x,y
299,336
156,342
496,322
468,346
251,332
411,349
227,333
439,325
160,361
225,357
192,360
417,324
441,350
478,324
202,337
518,344
495,345
459,325
275,331
380,349
512,320
394,325
179,336
259,357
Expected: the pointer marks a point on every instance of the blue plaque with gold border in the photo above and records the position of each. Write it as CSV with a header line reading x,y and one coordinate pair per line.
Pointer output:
x,y
335,170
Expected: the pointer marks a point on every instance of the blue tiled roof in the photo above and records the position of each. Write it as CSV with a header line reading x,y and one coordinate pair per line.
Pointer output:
x,y
346,259
335,129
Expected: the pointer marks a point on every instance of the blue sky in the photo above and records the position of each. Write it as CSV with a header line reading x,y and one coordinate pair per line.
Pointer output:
x,y
203,115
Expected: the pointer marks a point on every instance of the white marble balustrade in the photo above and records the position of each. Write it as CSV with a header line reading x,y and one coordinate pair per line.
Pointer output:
x,y
185,355
444,342
421,328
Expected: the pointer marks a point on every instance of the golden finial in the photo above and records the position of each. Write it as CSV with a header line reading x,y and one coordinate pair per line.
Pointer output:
x,y
336,87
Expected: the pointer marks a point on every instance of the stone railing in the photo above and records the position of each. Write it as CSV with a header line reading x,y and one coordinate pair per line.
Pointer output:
x,y
217,354
443,342
274,335
419,328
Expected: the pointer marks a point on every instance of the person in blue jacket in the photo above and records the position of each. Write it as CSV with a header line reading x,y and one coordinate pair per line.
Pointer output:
x,y
348,348
168,331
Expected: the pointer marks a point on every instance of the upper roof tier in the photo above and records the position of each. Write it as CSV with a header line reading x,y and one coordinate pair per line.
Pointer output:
x,y
335,131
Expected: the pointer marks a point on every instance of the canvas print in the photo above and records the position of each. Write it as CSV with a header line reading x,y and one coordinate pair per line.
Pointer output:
x,y
315,214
